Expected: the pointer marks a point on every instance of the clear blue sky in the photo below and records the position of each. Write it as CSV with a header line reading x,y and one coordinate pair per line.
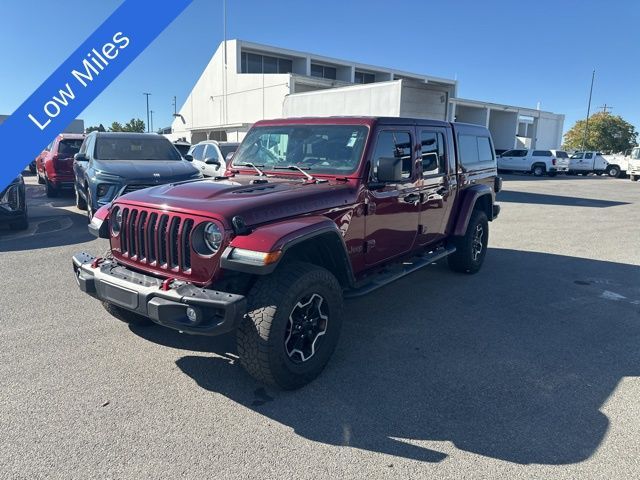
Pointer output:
x,y
518,53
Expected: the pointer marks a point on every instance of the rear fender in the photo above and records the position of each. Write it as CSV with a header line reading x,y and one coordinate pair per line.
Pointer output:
x,y
472,195
282,237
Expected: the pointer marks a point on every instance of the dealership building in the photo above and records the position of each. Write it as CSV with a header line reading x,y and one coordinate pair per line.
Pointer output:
x,y
245,82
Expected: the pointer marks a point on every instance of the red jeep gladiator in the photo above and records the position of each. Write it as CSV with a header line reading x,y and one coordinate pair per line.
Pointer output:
x,y
309,211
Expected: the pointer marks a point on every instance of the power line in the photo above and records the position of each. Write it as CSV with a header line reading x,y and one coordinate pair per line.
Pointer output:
x,y
605,107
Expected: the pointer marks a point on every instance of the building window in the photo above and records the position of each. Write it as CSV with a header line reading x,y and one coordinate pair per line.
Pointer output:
x,y
254,63
363,77
323,71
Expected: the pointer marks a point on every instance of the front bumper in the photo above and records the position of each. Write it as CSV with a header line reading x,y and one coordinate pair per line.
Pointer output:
x,y
164,303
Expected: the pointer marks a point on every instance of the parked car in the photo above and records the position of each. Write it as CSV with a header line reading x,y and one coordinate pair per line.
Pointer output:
x,y
538,162
182,147
110,164
316,208
634,165
595,162
13,205
54,166
210,156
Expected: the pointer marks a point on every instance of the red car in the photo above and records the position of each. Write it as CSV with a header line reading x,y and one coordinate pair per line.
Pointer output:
x,y
54,166
311,210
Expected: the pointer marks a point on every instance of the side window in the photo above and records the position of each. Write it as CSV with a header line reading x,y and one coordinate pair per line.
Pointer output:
x,y
541,153
468,146
198,152
588,155
485,153
522,153
211,152
87,145
394,144
432,153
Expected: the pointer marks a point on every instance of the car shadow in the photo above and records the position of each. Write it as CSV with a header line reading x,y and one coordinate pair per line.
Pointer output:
x,y
518,372
53,222
546,199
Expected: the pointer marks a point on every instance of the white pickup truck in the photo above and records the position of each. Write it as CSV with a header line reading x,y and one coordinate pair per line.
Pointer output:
x,y
594,162
634,165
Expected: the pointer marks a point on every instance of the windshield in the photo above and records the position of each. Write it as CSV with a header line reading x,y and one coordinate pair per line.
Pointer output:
x,y
69,147
323,149
135,148
635,153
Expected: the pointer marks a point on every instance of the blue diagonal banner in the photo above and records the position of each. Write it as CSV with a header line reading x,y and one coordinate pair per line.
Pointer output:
x,y
81,78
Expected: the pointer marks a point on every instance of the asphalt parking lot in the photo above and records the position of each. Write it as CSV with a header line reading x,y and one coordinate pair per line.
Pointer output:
x,y
528,369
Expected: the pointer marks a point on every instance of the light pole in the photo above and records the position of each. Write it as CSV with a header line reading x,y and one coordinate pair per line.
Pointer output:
x,y
151,112
586,127
147,95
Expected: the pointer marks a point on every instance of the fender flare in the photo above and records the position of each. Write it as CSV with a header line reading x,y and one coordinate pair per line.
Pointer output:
x,y
469,200
282,236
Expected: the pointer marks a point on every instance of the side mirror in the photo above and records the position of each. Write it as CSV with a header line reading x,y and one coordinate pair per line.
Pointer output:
x,y
80,157
229,157
188,157
389,169
212,161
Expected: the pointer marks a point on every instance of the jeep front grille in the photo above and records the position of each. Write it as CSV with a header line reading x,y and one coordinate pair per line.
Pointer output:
x,y
160,240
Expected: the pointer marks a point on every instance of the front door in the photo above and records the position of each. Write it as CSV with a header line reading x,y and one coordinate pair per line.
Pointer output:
x,y
393,209
438,184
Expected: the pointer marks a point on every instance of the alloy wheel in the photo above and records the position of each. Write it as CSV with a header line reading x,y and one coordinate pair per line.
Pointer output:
x,y
308,322
477,243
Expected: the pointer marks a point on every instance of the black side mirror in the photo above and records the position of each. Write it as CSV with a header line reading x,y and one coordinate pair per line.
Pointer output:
x,y
80,157
229,157
212,161
389,169
188,157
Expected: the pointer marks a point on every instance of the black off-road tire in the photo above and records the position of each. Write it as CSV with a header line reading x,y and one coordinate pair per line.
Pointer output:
x,y
538,170
262,333
125,315
81,203
613,171
634,178
462,260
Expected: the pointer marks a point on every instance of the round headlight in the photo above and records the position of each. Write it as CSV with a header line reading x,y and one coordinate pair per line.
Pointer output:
x,y
212,237
116,222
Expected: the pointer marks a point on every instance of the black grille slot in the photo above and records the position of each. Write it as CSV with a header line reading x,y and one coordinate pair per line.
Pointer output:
x,y
140,234
123,231
162,235
187,227
151,235
133,250
173,242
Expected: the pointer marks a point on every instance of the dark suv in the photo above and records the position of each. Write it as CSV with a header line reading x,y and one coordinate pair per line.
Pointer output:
x,y
13,205
312,210
111,164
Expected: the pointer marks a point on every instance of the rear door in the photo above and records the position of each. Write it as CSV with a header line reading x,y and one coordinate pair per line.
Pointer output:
x,y
393,210
438,183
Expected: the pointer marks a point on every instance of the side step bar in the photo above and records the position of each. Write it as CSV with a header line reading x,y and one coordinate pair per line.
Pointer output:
x,y
407,267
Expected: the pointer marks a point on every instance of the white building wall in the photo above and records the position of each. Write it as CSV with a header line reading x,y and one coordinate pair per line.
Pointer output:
x,y
502,126
548,132
424,101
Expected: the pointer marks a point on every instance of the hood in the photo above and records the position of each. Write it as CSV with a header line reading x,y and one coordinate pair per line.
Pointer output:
x,y
255,203
147,171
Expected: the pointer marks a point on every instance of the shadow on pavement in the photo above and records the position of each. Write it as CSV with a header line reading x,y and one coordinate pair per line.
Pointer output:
x,y
546,199
517,374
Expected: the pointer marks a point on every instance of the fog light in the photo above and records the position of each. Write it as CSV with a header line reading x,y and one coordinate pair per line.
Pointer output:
x,y
192,315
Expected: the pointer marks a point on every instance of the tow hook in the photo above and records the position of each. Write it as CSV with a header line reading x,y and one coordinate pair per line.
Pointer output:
x,y
166,284
96,262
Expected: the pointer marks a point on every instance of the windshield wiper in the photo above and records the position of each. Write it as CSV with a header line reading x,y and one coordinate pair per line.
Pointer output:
x,y
255,167
310,178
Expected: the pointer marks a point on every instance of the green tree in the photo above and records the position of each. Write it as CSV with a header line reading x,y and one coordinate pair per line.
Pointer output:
x,y
134,125
116,127
93,128
607,133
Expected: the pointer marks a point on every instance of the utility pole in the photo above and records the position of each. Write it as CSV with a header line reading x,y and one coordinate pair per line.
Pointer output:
x,y
606,107
147,95
586,127
151,112
175,106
